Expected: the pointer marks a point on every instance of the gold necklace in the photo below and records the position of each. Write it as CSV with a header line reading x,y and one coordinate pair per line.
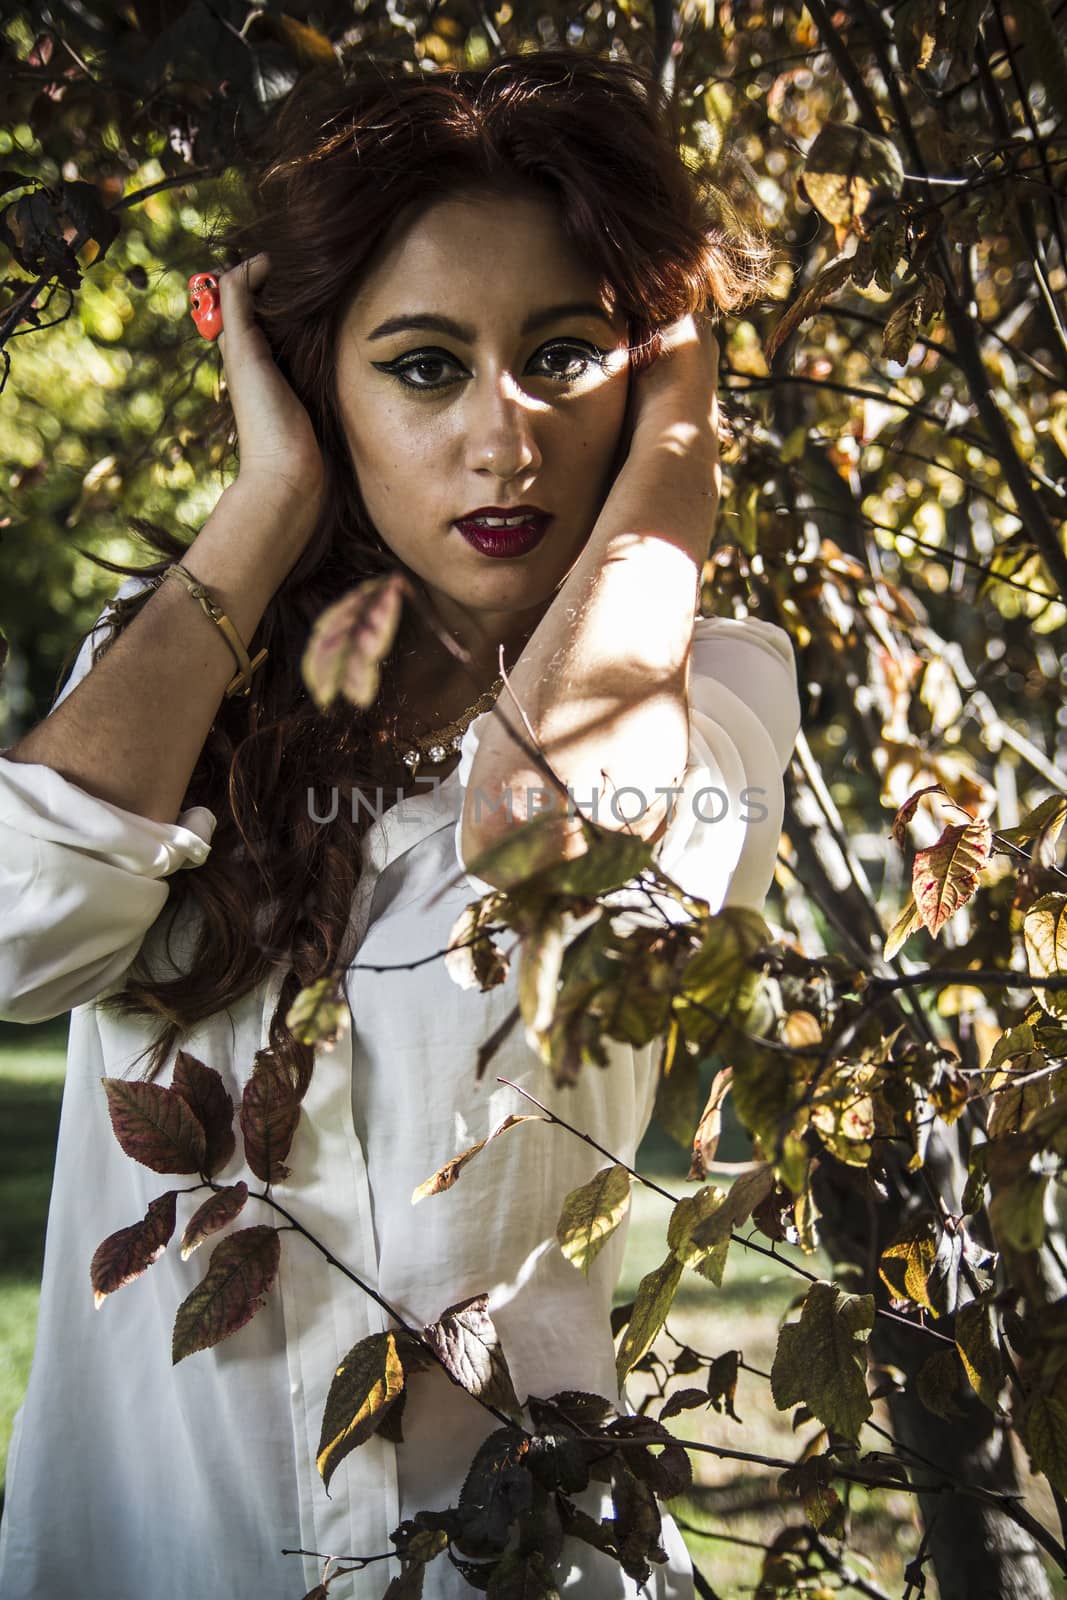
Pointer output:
x,y
430,749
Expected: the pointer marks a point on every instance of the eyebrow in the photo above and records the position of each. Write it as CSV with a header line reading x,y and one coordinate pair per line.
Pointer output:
x,y
428,321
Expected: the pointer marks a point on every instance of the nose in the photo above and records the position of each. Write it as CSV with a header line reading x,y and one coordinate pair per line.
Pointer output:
x,y
501,435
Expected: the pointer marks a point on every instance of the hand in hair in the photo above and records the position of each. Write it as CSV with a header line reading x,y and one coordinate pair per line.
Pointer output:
x,y
678,391
278,450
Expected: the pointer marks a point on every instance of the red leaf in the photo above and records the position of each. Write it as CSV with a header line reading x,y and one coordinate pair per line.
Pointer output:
x,y
270,1112
214,1214
204,1092
239,1277
124,1255
156,1126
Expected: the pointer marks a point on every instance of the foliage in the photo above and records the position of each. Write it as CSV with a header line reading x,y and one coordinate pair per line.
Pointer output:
x,y
896,499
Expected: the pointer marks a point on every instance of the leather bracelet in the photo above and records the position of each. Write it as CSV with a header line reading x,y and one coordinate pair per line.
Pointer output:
x,y
241,682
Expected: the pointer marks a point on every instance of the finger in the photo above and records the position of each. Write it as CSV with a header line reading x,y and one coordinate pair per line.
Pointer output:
x,y
236,289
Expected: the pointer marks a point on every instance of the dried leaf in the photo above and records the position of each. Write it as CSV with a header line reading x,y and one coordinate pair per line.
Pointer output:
x,y
446,1176
540,962
706,1138
591,1214
205,1093
239,1277
214,1214
349,641
369,1381
820,1361
722,1382
469,1346
472,960
124,1255
845,165
155,1126
270,1112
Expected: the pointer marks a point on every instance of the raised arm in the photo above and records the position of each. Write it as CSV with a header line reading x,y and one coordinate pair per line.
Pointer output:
x,y
604,677
132,730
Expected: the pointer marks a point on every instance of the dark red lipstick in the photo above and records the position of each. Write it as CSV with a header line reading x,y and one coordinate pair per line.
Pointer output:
x,y
504,530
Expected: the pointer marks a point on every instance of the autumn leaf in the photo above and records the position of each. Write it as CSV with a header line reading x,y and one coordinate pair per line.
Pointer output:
x,y
706,1138
239,1277
349,641
976,1341
591,1214
472,960
945,875
469,1347
156,1126
446,1176
270,1112
820,1360
365,1386
205,1093
844,166
540,961
214,1214
907,923
1045,938
124,1255
1043,1426
653,1301
906,1263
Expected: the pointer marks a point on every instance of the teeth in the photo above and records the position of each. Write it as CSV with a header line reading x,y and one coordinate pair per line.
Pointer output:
x,y
502,522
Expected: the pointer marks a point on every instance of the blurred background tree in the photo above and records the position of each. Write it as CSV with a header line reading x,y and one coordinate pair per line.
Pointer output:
x,y
896,476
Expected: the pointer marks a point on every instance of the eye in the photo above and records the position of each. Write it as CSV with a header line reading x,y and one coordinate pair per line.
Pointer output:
x,y
577,358
420,369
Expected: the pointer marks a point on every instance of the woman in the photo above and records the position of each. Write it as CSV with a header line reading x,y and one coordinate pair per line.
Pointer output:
x,y
462,301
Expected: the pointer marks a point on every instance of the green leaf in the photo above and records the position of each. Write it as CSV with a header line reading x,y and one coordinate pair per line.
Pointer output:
x,y
938,1383
1044,1430
270,1111
907,1262
691,1218
977,1344
214,1214
591,1214
820,1361
205,1093
522,1577
369,1381
239,1277
467,1342
155,1126
655,1295
124,1255
1017,1211
319,1014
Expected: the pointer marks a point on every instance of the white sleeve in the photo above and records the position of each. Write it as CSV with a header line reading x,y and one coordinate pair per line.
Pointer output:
x,y
722,837
81,880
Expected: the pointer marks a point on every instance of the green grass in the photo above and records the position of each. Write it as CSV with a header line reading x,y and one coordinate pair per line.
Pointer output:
x,y
31,1085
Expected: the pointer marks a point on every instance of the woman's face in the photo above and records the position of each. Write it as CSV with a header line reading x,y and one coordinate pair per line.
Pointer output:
x,y
480,366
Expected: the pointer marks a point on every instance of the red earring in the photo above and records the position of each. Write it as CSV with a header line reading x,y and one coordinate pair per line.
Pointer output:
x,y
206,309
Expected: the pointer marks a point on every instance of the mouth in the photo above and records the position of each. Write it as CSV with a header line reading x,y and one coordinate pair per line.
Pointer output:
x,y
504,531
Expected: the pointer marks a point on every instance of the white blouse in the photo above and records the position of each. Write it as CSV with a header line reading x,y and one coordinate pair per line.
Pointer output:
x,y
130,1477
